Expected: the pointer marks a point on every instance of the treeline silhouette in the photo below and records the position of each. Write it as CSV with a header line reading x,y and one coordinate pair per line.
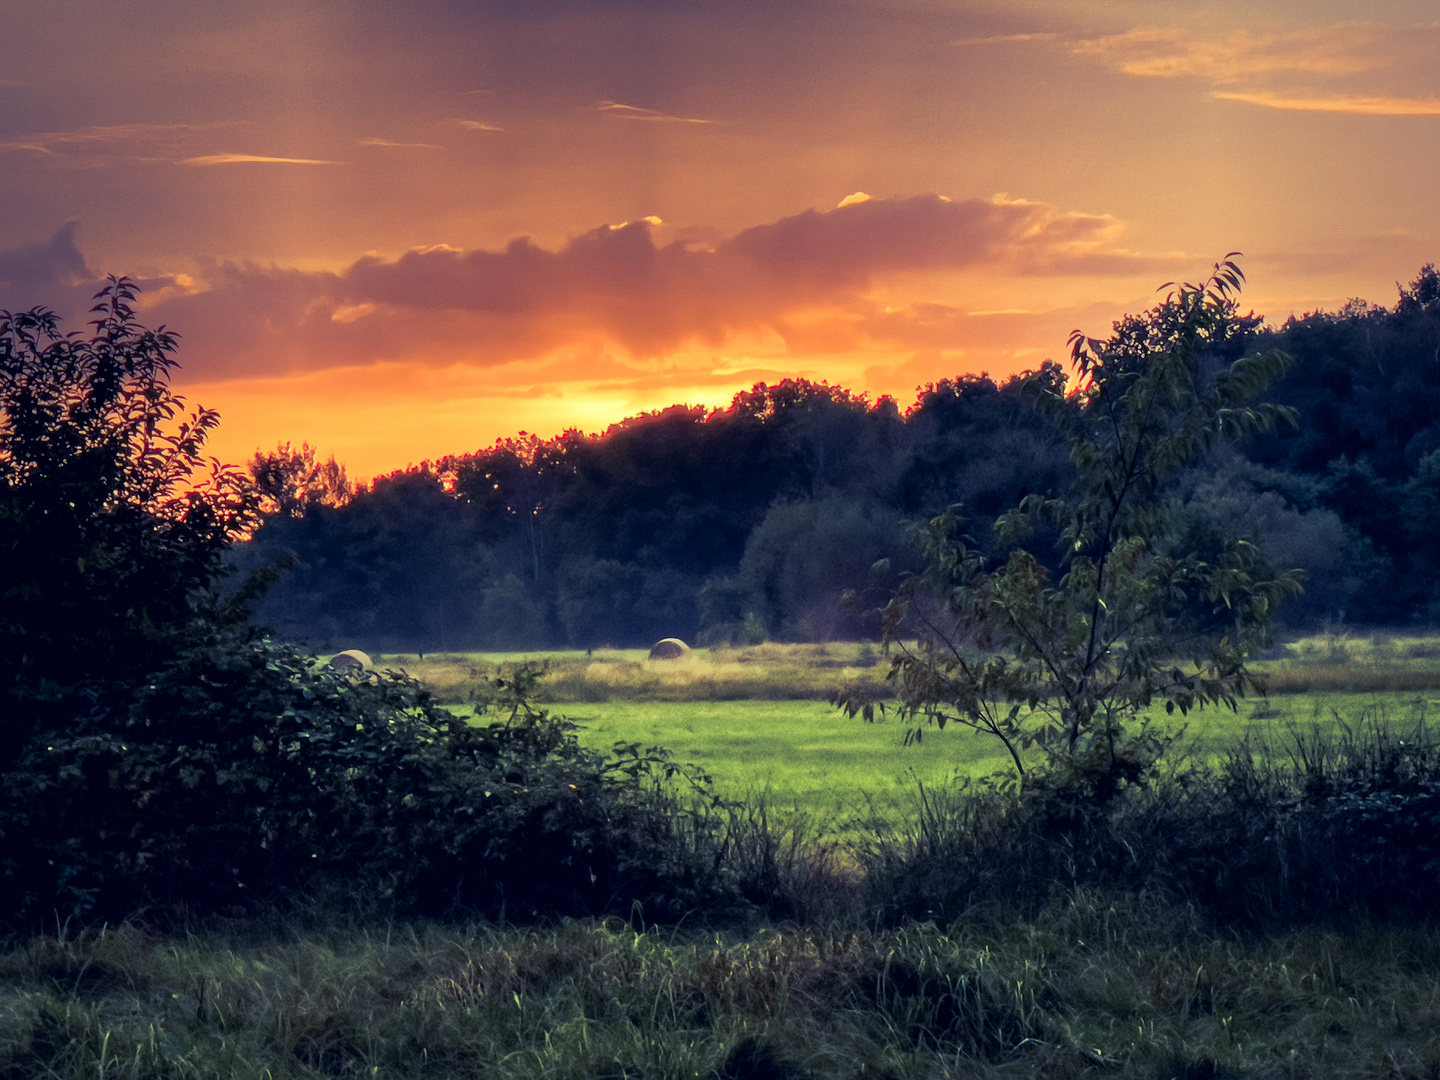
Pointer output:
x,y
754,521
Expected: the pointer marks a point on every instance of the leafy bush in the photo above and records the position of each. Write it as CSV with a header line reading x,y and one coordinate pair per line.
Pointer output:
x,y
245,773
1309,830
112,522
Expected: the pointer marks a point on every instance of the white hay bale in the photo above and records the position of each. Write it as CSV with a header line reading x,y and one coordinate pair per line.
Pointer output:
x,y
350,660
670,648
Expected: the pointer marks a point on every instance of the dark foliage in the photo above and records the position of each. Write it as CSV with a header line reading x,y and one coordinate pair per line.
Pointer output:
x,y
156,754
112,523
676,523
248,775
1306,829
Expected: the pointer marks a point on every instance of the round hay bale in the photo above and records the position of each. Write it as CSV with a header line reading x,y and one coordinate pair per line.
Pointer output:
x,y
350,660
670,648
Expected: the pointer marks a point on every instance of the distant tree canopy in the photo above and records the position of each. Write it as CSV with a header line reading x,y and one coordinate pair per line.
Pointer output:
x,y
290,481
757,518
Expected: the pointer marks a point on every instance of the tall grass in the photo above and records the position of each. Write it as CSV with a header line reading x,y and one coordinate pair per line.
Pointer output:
x,y
1093,984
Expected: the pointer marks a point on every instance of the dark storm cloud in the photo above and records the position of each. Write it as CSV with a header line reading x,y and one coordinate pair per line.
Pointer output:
x,y
52,274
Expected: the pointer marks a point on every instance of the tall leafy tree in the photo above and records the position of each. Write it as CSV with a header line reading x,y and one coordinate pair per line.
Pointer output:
x,y
1067,661
112,520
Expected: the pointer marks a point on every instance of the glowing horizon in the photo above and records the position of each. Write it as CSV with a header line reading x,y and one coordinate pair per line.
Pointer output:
x,y
399,237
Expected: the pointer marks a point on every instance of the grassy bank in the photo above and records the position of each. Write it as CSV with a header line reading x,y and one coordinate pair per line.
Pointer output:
x,y
1095,985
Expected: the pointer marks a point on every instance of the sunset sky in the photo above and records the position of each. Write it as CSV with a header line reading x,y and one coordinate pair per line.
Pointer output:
x,y
401,230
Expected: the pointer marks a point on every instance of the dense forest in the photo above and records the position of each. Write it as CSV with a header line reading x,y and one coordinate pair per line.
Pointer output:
x,y
754,521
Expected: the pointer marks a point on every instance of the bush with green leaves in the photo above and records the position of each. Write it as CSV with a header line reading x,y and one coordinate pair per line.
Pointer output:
x,y
112,521
249,775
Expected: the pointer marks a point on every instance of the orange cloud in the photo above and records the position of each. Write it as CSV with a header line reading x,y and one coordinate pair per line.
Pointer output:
x,y
634,112
1340,49
1006,39
441,349
1357,106
99,144
389,144
252,159
807,280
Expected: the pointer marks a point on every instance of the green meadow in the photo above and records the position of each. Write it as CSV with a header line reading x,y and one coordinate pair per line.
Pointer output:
x,y
809,757
803,755
757,720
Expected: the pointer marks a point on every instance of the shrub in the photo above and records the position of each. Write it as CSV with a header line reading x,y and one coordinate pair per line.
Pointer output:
x,y
248,774
112,522
1302,831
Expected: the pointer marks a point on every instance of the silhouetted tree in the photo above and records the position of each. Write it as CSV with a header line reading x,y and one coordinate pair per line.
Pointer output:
x,y
112,522
290,482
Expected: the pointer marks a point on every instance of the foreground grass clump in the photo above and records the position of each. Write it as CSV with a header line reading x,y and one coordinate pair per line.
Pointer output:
x,y
1095,983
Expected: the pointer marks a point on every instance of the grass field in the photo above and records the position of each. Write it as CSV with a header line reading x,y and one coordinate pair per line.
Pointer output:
x,y
1126,985
1339,663
807,756
800,754
755,719
771,672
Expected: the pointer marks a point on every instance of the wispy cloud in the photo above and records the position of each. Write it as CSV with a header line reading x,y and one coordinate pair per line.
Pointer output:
x,y
1005,39
252,159
478,125
390,144
1158,52
33,146
1356,106
104,138
635,112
